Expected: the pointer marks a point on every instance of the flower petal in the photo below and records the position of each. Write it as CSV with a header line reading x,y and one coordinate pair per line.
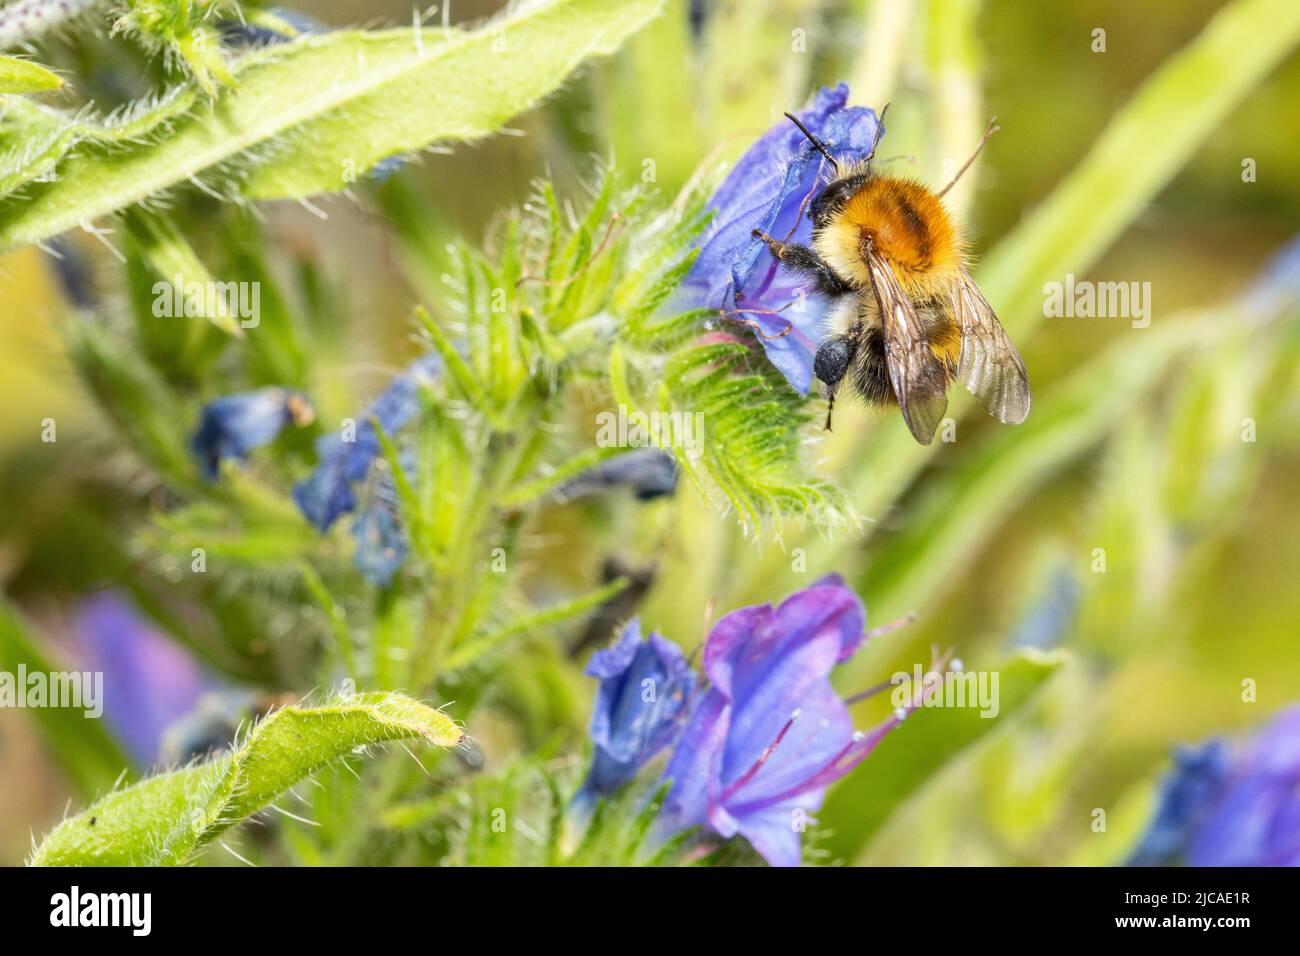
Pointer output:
x,y
326,494
1255,819
777,832
381,540
822,732
695,766
645,688
819,626
233,425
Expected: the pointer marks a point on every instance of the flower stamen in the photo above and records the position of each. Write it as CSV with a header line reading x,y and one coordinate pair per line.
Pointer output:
x,y
856,750
763,758
758,329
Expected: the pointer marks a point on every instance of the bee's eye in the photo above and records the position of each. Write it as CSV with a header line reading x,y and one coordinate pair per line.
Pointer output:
x,y
832,196
827,198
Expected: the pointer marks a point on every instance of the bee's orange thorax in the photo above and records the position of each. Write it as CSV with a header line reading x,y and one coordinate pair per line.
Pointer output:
x,y
907,225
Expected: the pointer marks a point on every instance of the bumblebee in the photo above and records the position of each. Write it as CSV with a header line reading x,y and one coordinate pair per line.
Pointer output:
x,y
906,317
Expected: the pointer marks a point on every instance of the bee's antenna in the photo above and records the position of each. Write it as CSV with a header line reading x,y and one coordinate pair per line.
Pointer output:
x,y
993,128
814,140
880,131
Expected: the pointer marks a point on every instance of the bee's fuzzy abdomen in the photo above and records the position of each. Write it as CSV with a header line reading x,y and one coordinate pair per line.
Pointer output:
x,y
870,371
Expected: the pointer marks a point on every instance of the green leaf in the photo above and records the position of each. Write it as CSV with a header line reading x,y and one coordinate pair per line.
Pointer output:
x,y
311,116
473,650
916,750
169,254
134,399
749,460
277,353
84,749
163,820
34,138
23,76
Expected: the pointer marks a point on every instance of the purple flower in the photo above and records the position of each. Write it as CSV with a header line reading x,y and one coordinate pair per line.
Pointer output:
x,y
149,682
1231,806
233,425
645,689
327,493
770,189
771,733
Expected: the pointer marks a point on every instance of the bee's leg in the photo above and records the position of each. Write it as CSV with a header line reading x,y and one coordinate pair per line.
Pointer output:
x,y
830,365
802,259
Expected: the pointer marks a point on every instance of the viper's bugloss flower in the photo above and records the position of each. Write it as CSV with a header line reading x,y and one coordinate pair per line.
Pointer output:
x,y
1226,805
645,689
770,189
233,425
649,472
1185,793
327,493
771,733
382,544
149,682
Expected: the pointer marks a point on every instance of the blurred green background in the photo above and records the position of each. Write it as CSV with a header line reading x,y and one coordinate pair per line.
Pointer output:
x,y
1199,528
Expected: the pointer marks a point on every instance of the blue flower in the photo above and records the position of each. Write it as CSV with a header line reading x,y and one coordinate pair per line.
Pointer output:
x,y
327,493
233,425
1231,806
645,689
761,747
649,472
770,189
1198,775
381,539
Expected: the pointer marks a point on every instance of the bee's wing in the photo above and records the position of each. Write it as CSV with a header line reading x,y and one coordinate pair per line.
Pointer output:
x,y
989,366
918,377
